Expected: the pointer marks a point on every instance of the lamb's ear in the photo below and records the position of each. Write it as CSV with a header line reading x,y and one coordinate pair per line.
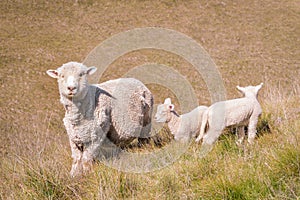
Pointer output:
x,y
52,73
240,89
91,70
167,101
171,107
258,87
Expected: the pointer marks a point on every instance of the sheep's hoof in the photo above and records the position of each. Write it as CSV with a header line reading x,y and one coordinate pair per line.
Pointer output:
x,y
197,140
239,143
251,141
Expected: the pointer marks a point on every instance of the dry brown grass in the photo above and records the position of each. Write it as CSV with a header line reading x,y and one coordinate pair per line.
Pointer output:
x,y
250,41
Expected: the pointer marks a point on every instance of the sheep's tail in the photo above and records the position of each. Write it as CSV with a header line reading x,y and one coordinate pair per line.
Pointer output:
x,y
203,125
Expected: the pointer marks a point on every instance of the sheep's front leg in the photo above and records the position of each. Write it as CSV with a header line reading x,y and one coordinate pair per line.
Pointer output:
x,y
90,154
252,129
92,150
77,160
241,135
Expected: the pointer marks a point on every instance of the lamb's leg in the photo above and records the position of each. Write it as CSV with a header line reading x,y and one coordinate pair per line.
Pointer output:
x,y
77,160
203,125
200,136
208,141
241,135
252,129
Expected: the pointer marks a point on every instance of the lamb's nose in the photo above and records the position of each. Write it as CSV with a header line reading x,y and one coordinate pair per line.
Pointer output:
x,y
71,88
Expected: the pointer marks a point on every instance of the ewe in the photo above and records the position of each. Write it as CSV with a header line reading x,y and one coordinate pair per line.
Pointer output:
x,y
183,127
236,112
118,109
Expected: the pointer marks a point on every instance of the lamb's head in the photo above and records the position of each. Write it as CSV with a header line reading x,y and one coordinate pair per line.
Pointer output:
x,y
250,91
163,113
72,79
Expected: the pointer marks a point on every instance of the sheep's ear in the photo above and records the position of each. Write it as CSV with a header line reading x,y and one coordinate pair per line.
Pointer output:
x,y
52,73
240,89
258,87
91,70
167,101
171,107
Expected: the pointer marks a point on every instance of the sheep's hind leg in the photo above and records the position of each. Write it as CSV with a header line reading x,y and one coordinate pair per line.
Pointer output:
x,y
208,141
241,135
200,136
252,130
145,134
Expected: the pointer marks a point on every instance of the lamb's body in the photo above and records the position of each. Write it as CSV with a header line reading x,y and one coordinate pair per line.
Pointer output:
x,y
119,109
183,127
236,112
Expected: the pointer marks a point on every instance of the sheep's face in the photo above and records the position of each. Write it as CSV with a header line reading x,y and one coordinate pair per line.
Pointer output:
x,y
250,91
163,113
72,79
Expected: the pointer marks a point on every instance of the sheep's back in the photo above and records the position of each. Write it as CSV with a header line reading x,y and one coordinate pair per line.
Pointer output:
x,y
235,111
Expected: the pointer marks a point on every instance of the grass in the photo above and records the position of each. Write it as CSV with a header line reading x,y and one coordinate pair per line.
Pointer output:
x,y
251,43
269,169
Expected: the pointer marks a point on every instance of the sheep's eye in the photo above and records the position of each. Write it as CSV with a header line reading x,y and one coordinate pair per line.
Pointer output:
x,y
62,76
81,74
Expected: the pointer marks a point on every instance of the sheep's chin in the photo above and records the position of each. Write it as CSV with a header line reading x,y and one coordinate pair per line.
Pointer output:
x,y
70,94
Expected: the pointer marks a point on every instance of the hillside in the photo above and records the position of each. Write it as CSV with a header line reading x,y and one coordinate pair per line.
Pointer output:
x,y
250,42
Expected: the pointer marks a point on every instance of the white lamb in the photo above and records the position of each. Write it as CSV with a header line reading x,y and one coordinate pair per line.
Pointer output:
x,y
236,112
183,127
118,109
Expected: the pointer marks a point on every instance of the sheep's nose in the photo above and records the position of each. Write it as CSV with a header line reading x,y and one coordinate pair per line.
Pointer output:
x,y
71,88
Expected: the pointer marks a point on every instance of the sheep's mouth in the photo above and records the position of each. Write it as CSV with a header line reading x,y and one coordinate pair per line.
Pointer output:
x,y
71,94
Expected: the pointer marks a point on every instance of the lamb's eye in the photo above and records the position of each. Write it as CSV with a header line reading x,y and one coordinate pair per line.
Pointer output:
x,y
81,74
62,76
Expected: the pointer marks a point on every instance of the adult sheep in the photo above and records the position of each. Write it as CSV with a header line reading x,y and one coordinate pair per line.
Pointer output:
x,y
238,112
119,109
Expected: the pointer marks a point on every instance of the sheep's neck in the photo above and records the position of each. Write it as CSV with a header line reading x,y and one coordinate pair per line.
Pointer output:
x,y
174,123
78,110
250,96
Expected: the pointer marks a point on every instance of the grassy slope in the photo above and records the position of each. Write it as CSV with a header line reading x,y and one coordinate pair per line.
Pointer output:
x,y
250,42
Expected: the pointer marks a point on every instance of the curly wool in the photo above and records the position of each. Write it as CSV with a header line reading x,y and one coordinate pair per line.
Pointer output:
x,y
118,109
